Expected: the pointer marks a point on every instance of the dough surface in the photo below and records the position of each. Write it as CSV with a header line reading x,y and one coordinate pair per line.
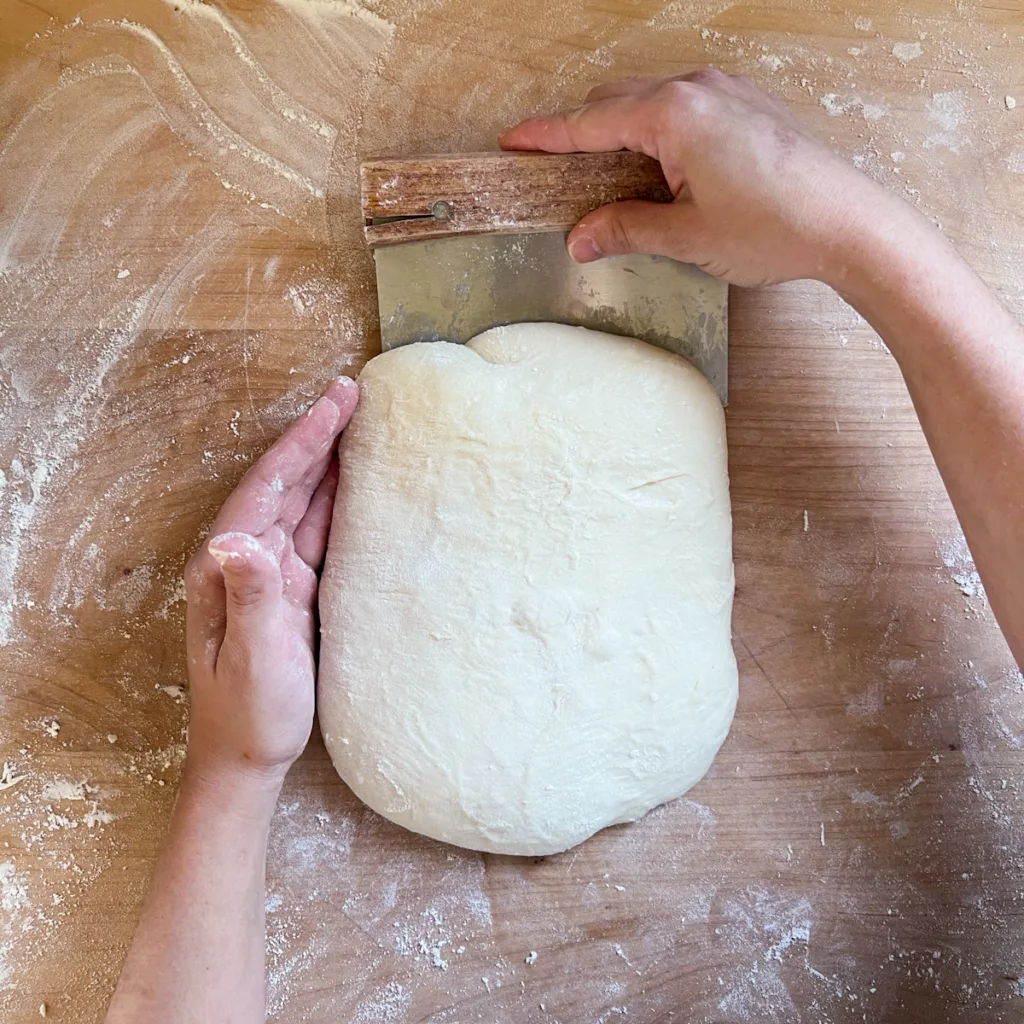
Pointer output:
x,y
527,595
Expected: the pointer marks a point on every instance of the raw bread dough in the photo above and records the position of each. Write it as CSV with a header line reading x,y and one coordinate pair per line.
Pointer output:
x,y
527,595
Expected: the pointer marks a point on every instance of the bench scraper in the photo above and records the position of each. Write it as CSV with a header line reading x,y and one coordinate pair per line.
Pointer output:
x,y
463,243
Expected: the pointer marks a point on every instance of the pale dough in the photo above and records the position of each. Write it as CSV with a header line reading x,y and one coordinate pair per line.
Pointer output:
x,y
527,596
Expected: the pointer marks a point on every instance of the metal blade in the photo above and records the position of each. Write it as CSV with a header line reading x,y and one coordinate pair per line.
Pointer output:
x,y
454,288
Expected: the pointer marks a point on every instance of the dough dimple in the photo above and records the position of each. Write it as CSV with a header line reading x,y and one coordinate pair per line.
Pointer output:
x,y
527,595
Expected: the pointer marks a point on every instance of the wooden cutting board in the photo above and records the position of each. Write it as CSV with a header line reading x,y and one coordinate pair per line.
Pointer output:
x,y
181,269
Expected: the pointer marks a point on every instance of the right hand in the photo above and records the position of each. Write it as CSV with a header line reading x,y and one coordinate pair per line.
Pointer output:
x,y
758,200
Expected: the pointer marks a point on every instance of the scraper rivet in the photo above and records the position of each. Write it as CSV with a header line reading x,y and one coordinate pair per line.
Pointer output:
x,y
441,210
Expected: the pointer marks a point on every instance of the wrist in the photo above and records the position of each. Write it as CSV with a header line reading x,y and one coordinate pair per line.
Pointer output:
x,y
229,789
885,254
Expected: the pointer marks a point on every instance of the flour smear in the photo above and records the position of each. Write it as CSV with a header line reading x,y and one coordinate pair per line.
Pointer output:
x,y
145,190
181,268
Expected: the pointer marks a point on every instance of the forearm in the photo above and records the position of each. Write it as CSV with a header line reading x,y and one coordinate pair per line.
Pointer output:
x,y
962,356
198,951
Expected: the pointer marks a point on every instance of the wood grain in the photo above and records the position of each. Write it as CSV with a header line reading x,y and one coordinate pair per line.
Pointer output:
x,y
498,193
855,853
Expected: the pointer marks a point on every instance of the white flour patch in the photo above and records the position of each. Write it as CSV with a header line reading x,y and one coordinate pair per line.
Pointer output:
x,y
426,906
307,844
836,105
37,811
205,126
906,52
773,61
21,495
130,591
65,789
15,918
762,928
1015,162
175,595
387,1005
285,105
956,557
450,921
865,797
949,112
833,105
867,704
341,9
51,446
794,933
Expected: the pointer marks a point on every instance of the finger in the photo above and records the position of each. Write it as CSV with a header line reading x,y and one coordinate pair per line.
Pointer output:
x,y
252,584
275,541
619,122
302,451
311,534
639,86
205,610
300,582
260,497
661,229
296,502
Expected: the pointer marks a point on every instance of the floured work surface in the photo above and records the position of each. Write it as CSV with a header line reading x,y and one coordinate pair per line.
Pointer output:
x,y
181,271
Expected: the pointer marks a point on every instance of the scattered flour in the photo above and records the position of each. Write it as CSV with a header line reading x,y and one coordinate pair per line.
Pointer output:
x,y
764,926
949,112
956,557
431,905
387,1005
906,52
835,105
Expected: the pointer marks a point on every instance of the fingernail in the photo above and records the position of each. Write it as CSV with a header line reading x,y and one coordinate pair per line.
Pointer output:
x,y
584,250
345,381
222,556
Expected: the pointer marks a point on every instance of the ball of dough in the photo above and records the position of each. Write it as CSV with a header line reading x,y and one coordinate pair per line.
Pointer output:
x,y
527,595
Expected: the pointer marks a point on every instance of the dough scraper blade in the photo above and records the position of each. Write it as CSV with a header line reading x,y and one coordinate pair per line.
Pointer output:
x,y
466,243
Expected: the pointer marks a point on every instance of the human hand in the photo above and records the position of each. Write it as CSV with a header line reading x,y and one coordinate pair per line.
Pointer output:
x,y
758,200
252,588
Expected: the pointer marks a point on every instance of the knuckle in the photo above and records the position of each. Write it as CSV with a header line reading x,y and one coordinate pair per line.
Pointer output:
x,y
574,116
706,76
619,236
672,93
679,101
245,594
670,100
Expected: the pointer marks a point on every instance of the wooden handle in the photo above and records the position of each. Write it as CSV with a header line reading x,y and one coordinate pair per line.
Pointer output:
x,y
497,193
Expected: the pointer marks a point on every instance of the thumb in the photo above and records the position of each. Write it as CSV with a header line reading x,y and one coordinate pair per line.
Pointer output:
x,y
252,579
659,229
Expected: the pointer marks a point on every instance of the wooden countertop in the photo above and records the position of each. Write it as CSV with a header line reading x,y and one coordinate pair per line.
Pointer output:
x,y
180,272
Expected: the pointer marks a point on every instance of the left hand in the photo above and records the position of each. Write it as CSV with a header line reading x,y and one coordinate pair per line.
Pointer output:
x,y
252,589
